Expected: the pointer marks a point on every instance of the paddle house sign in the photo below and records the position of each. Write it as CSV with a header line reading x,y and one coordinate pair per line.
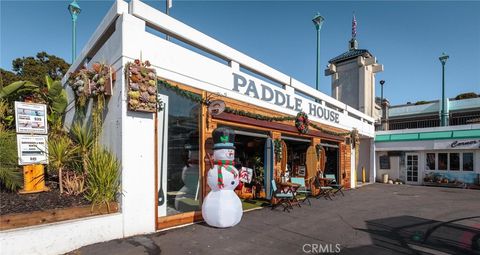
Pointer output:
x,y
269,93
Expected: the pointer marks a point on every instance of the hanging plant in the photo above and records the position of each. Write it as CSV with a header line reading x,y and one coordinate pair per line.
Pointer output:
x,y
278,149
91,83
142,87
79,81
302,122
101,80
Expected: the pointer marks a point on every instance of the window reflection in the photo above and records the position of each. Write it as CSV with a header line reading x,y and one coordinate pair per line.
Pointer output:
x,y
467,161
430,161
183,186
442,161
454,161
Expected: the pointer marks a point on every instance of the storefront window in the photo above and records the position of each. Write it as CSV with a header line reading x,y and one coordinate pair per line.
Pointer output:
x,y
183,185
442,161
467,161
430,161
454,161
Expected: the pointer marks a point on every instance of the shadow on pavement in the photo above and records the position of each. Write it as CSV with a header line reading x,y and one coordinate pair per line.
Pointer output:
x,y
414,235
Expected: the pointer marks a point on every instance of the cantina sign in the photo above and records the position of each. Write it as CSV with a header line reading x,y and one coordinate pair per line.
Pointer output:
x,y
268,94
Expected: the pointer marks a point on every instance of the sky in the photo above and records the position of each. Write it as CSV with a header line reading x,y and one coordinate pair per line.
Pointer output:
x,y
407,37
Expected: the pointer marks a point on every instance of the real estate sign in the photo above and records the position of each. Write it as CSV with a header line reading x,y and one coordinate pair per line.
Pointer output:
x,y
32,149
31,118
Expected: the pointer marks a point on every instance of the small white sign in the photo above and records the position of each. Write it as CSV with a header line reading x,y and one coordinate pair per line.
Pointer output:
x,y
31,118
301,171
32,149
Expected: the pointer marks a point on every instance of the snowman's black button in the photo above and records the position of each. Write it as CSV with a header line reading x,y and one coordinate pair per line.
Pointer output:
x,y
233,182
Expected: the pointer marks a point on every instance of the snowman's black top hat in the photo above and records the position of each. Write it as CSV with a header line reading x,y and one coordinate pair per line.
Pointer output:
x,y
223,138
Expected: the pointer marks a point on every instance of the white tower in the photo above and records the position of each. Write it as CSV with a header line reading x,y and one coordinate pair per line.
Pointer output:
x,y
353,77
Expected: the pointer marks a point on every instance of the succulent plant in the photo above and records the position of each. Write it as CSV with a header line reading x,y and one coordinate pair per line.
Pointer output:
x,y
134,78
144,71
144,97
152,90
134,86
151,75
151,82
133,70
143,87
133,103
134,94
97,67
101,81
101,89
152,99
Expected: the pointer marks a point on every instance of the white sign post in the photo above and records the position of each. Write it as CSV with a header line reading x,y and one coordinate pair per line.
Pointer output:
x,y
31,126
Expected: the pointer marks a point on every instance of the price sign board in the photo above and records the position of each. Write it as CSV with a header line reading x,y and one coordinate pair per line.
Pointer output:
x,y
31,118
32,149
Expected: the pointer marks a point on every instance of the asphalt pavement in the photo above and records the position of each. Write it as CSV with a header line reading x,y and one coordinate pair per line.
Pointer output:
x,y
375,219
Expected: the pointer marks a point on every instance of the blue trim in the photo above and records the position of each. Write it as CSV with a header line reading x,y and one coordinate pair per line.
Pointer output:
x,y
223,145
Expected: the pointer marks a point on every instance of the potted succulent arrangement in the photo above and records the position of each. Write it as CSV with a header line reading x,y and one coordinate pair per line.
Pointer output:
x,y
93,82
142,87
101,81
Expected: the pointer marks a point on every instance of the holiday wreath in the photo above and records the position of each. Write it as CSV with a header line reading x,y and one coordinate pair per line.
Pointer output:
x,y
302,122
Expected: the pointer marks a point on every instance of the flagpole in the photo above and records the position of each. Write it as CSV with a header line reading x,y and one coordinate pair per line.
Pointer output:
x,y
167,11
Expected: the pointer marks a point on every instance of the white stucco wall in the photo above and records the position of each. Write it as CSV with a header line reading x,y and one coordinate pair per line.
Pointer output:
x,y
61,237
394,170
364,160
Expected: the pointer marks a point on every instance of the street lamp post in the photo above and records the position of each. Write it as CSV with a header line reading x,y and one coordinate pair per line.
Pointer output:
x,y
381,92
443,115
382,106
74,10
318,21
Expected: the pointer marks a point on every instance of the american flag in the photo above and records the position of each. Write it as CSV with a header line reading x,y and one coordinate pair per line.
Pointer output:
x,y
354,27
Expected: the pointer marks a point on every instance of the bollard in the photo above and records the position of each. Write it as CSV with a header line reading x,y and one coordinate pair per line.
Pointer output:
x,y
33,179
364,177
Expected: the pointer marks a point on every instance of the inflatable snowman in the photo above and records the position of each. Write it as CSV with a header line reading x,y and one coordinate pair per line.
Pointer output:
x,y
221,207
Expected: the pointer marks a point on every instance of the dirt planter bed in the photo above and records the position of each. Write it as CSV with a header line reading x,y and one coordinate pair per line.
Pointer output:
x,y
18,220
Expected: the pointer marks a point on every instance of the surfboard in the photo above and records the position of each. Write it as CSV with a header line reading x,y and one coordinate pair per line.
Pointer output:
x,y
268,161
283,162
311,161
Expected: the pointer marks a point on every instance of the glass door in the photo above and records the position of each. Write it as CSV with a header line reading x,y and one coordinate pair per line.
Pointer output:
x,y
412,168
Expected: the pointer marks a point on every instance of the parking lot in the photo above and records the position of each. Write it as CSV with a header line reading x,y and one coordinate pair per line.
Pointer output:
x,y
374,219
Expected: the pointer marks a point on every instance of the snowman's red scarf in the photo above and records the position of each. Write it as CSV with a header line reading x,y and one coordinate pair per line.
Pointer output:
x,y
228,164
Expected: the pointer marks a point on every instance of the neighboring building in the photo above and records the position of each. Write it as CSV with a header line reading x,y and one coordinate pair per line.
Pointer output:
x,y
427,155
415,149
408,116
353,83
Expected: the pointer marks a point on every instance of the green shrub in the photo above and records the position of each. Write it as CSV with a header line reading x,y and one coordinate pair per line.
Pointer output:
x,y
10,176
83,136
103,175
61,152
